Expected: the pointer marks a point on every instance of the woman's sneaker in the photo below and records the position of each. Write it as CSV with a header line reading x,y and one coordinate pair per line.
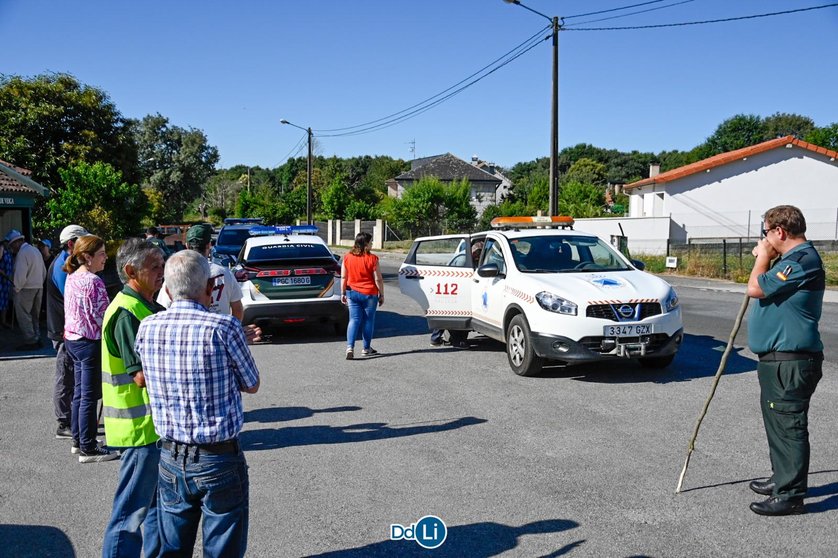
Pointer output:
x,y
97,455
369,352
350,354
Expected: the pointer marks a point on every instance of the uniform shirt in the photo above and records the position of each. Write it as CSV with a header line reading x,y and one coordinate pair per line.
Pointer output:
x,y
195,363
360,273
787,318
30,271
121,333
85,302
225,291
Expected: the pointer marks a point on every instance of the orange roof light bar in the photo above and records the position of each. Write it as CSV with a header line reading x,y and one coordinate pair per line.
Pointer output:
x,y
540,221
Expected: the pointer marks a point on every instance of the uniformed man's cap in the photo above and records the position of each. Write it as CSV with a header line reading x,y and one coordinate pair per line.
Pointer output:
x,y
199,234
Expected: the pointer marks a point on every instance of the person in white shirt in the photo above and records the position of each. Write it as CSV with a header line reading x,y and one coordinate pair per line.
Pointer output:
x,y
28,279
227,294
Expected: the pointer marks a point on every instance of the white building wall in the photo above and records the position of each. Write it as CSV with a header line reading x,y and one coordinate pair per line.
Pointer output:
x,y
646,235
728,201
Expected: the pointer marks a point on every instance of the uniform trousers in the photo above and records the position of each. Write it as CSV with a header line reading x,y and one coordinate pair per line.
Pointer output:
x,y
786,388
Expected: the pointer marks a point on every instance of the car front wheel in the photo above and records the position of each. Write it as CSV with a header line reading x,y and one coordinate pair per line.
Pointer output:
x,y
519,349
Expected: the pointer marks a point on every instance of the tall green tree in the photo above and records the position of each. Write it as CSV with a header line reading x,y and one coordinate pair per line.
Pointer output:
x,y
739,131
431,207
97,198
581,200
174,161
587,171
335,199
782,124
826,136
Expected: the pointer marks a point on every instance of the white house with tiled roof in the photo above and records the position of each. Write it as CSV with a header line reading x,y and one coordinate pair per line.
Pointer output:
x,y
725,195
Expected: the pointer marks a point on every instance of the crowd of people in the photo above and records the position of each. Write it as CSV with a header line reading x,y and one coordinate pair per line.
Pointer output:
x,y
172,410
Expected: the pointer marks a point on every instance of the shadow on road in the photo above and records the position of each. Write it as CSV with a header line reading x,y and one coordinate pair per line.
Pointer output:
x,y
274,438
282,414
24,541
477,540
699,357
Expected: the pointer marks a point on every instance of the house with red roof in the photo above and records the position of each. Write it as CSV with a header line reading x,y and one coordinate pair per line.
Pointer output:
x,y
724,196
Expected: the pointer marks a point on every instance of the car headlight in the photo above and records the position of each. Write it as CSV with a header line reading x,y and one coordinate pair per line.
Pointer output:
x,y
670,303
554,303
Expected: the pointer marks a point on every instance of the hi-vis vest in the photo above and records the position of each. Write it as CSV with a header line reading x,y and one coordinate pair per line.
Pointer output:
x,y
126,410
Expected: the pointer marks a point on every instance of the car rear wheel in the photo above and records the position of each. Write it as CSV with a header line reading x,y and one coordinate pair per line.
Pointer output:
x,y
657,362
519,349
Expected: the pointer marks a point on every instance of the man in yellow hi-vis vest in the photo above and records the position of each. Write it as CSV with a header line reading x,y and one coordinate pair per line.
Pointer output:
x,y
128,424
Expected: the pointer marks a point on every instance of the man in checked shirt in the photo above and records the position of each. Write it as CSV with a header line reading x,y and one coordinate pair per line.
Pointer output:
x,y
196,365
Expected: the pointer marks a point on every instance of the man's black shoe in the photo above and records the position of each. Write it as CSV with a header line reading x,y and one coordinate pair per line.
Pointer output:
x,y
766,488
775,506
63,431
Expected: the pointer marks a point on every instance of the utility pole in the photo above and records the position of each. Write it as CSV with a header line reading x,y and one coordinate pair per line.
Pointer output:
x,y
308,169
554,116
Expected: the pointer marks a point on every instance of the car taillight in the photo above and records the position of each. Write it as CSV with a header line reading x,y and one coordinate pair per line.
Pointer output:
x,y
243,274
274,273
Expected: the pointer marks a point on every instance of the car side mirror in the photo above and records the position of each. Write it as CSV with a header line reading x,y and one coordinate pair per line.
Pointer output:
x,y
337,257
488,270
638,264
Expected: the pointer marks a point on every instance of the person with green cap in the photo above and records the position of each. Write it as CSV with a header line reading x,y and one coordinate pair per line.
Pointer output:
x,y
227,294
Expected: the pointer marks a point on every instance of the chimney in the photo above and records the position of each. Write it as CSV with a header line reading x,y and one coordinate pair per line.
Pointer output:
x,y
474,159
654,170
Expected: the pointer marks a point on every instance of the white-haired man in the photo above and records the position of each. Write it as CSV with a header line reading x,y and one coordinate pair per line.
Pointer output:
x,y
28,278
196,364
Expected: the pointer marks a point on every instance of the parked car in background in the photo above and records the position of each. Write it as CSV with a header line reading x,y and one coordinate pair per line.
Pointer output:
x,y
548,292
231,238
288,276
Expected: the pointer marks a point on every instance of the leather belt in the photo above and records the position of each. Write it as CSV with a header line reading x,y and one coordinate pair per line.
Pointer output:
x,y
218,448
782,356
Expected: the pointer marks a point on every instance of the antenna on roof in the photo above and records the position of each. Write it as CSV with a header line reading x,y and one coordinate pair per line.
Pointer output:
x,y
412,149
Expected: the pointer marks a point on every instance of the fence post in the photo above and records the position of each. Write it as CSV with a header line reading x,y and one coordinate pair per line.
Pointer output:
x,y
668,243
724,257
740,252
378,235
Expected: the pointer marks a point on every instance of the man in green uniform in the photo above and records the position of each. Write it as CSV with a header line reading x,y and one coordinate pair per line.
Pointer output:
x,y
783,332
128,423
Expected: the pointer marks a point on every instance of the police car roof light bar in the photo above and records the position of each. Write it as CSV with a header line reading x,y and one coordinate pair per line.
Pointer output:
x,y
265,230
243,220
536,221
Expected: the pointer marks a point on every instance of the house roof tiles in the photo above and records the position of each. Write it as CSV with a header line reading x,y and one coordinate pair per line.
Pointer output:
x,y
8,183
448,167
729,157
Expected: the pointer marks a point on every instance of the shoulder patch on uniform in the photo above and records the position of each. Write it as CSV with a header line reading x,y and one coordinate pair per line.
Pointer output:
x,y
784,275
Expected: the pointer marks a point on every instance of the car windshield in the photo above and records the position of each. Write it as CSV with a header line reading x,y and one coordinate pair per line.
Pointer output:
x,y
564,254
287,251
233,237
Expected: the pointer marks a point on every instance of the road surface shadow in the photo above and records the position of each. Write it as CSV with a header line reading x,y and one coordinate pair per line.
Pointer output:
x,y
282,414
35,541
274,438
698,357
476,540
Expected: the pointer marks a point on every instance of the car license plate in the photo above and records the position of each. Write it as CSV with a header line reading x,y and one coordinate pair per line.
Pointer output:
x,y
628,330
286,281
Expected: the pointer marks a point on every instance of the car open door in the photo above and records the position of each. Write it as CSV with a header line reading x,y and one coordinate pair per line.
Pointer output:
x,y
437,275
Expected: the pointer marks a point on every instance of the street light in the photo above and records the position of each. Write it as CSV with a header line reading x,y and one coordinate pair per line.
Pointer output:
x,y
308,167
554,125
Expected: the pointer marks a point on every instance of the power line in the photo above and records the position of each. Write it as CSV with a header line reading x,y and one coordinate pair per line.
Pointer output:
x,y
613,9
429,99
630,13
428,107
296,149
698,22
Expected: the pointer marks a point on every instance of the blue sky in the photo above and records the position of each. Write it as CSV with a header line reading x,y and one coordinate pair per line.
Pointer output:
x,y
235,68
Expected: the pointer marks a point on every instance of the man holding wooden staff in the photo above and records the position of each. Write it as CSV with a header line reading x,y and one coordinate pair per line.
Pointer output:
x,y
783,332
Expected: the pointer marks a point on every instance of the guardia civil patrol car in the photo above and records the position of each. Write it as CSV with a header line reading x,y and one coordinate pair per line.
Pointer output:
x,y
549,292
288,276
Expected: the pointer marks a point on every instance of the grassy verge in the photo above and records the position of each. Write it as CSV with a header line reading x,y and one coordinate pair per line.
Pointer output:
x,y
700,264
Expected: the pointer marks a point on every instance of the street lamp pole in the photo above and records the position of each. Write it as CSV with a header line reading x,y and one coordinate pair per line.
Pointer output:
x,y
308,169
555,191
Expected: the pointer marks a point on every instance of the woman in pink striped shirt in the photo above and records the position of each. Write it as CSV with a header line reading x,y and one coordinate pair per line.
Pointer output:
x,y
85,302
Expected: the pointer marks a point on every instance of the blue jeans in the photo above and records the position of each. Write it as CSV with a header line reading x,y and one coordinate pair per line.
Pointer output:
x,y
135,505
362,309
192,483
87,366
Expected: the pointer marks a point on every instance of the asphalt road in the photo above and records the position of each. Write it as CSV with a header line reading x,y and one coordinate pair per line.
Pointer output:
x,y
576,462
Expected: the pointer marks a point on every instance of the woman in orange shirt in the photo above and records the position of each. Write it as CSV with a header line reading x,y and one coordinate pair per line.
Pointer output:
x,y
362,289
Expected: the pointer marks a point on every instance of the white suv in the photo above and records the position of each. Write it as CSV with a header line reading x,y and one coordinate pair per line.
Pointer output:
x,y
548,292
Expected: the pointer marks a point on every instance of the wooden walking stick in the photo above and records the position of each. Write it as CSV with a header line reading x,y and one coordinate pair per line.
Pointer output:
x,y
721,369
